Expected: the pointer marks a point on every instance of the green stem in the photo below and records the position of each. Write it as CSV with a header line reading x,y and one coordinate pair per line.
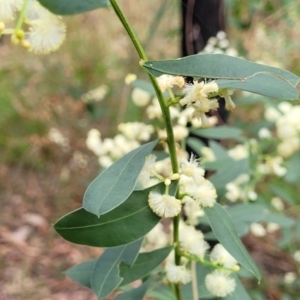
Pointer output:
x,y
22,15
178,292
168,123
194,281
163,105
129,30
204,262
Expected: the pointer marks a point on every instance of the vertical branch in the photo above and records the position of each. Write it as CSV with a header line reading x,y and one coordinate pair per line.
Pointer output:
x,y
168,123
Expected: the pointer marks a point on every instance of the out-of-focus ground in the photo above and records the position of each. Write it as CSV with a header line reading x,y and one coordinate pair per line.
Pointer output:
x,y
40,180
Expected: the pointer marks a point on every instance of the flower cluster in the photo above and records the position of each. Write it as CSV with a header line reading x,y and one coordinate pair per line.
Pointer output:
x,y
45,33
194,190
272,166
136,131
220,45
260,230
166,82
193,185
156,239
219,255
239,189
95,95
219,282
177,274
58,138
192,241
164,205
109,150
288,129
192,244
239,152
197,97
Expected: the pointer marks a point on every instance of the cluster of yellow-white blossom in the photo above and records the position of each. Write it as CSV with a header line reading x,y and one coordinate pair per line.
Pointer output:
x,y
286,118
192,241
200,95
198,99
109,150
132,134
44,31
238,189
195,191
155,239
219,44
287,135
177,273
219,282
192,244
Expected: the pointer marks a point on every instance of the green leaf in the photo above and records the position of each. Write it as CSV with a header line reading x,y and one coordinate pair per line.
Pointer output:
x,y
143,85
71,7
219,132
224,230
236,73
283,192
219,151
144,264
112,187
214,66
134,294
81,273
229,172
298,228
105,276
266,84
243,215
286,238
128,222
196,145
281,220
293,167
128,271
218,164
162,293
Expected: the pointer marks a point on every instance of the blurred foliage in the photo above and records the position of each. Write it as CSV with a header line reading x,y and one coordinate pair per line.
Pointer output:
x,y
266,31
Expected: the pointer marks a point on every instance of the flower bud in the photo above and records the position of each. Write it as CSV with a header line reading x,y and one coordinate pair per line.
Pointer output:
x,y
174,176
25,44
167,182
20,34
14,40
236,268
130,78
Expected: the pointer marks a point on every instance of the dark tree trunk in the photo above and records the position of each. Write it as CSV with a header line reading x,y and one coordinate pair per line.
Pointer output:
x,y
201,19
